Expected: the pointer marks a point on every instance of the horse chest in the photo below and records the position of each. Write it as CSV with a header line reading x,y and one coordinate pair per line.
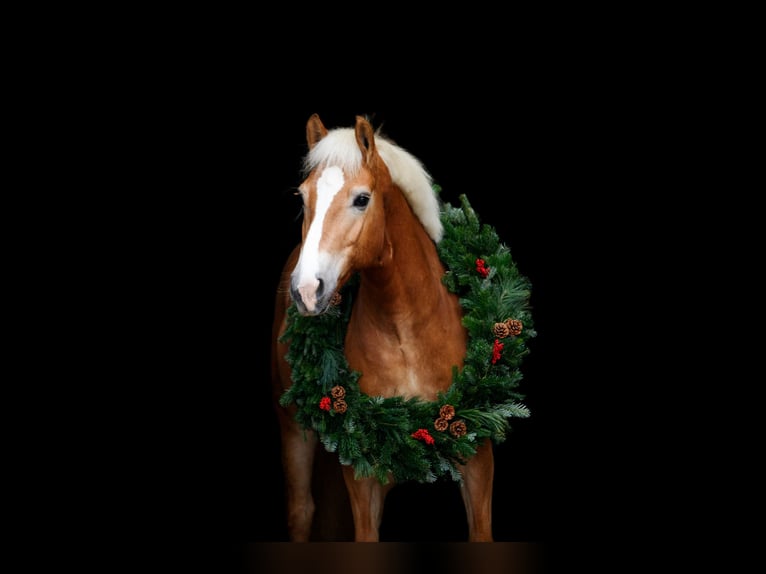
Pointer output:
x,y
399,364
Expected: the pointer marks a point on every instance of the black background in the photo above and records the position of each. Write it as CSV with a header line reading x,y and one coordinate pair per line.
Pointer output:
x,y
213,240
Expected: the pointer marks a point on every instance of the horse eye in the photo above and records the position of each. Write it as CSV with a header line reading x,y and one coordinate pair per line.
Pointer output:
x,y
361,200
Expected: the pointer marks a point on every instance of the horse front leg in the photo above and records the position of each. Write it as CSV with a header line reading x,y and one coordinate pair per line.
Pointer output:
x,y
476,490
367,496
298,450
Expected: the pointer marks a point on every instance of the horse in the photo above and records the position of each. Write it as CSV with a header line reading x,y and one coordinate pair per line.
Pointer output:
x,y
370,211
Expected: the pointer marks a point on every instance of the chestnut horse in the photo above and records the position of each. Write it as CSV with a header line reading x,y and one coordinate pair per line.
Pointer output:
x,y
369,208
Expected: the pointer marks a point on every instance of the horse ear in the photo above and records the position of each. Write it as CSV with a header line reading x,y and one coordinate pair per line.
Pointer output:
x,y
365,137
315,130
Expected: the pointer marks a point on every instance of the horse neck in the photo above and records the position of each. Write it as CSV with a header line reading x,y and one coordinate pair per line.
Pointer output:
x,y
408,284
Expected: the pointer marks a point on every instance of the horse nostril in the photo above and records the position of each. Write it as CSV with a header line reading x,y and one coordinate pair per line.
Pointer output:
x,y
320,289
296,295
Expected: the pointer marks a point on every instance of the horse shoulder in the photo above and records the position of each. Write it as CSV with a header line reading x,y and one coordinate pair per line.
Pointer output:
x,y
280,370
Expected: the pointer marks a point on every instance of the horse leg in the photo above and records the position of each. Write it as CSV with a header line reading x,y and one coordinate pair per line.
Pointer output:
x,y
366,496
298,449
333,521
476,491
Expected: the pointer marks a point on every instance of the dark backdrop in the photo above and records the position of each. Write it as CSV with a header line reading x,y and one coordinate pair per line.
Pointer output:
x,y
214,238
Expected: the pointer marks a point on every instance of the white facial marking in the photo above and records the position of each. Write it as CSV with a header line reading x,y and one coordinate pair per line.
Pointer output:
x,y
328,185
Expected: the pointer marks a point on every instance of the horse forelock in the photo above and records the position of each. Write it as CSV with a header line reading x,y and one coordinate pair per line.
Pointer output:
x,y
339,148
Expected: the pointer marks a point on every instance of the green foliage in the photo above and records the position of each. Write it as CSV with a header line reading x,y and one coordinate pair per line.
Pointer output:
x,y
374,434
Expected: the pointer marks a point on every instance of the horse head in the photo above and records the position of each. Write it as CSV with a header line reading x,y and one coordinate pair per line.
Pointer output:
x,y
343,212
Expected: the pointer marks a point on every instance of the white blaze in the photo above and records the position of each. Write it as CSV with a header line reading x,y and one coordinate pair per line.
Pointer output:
x,y
328,185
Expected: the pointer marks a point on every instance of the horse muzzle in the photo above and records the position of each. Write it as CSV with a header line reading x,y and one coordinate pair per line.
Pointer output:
x,y
311,298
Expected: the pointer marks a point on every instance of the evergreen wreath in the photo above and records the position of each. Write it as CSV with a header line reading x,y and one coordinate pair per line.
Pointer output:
x,y
414,439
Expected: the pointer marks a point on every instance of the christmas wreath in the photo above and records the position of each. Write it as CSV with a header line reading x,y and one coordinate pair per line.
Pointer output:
x,y
414,439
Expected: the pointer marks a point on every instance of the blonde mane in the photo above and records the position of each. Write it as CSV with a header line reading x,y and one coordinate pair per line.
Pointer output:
x,y
339,148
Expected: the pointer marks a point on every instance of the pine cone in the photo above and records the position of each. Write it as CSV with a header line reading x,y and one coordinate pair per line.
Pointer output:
x,y
458,429
501,330
340,406
338,392
514,325
447,412
441,424
336,299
